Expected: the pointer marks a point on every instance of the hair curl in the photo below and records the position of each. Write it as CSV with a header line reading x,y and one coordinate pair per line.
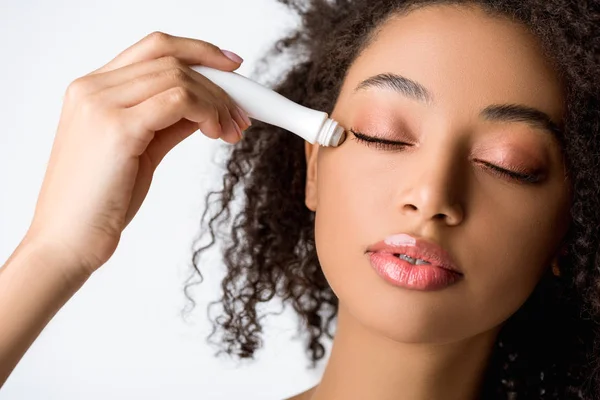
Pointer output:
x,y
545,349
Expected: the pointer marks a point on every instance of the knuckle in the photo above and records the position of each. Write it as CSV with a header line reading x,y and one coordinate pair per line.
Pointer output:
x,y
171,62
79,88
158,38
180,95
176,74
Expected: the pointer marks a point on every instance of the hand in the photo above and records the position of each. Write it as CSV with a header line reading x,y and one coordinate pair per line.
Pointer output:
x,y
116,125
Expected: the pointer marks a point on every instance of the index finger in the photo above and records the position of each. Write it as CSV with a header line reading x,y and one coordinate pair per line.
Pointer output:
x,y
160,44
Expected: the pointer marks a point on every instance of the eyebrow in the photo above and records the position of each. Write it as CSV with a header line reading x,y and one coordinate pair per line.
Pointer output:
x,y
495,112
521,113
406,87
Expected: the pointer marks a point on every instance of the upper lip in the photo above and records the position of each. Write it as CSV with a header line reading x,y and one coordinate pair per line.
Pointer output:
x,y
416,247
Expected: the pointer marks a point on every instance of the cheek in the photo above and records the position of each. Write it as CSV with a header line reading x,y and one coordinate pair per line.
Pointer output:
x,y
512,241
347,197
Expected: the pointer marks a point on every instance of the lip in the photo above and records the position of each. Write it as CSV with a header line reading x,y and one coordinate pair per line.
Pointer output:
x,y
441,271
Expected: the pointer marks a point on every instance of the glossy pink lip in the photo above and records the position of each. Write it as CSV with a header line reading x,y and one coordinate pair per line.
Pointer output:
x,y
441,271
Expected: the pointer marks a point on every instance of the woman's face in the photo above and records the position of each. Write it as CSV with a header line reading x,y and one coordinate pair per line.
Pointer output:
x,y
449,72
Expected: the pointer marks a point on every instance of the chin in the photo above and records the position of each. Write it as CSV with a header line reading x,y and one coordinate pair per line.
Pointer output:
x,y
410,316
400,314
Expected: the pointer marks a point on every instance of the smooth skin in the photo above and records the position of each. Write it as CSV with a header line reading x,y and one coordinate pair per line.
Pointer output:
x,y
117,124
443,185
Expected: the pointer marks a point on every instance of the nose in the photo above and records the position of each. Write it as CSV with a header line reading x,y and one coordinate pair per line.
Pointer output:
x,y
433,188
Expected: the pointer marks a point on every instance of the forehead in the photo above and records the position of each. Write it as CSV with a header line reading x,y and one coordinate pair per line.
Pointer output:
x,y
464,57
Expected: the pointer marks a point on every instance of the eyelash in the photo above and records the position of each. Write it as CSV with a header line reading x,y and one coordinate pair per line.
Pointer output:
x,y
379,143
385,144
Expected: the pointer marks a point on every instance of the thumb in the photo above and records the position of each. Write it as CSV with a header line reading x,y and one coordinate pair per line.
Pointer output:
x,y
166,139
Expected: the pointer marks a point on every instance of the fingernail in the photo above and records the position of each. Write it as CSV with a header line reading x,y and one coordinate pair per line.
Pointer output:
x,y
232,56
244,116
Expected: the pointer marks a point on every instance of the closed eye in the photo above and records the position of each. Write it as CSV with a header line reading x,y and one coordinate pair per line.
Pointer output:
x,y
521,177
379,143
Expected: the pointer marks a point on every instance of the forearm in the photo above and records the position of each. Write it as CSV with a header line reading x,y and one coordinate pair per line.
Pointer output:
x,y
33,287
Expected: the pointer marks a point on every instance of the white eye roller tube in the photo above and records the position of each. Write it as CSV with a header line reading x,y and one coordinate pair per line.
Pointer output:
x,y
268,106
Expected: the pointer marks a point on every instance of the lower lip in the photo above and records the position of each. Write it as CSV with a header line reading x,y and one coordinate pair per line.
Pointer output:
x,y
401,273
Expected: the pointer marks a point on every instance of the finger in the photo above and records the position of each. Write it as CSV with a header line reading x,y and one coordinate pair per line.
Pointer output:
x,y
171,67
165,140
169,107
231,131
159,44
167,67
239,116
134,92
104,80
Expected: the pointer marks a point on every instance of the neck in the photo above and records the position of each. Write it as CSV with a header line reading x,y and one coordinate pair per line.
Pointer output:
x,y
365,365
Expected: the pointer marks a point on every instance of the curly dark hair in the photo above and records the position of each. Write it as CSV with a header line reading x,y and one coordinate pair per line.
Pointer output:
x,y
546,349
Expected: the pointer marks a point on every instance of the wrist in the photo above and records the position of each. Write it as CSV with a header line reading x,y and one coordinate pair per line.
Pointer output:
x,y
53,257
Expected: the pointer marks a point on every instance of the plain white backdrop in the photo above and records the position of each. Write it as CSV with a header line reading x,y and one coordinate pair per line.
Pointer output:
x,y
122,336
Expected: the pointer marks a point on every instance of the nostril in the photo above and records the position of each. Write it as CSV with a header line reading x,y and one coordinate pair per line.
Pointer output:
x,y
411,207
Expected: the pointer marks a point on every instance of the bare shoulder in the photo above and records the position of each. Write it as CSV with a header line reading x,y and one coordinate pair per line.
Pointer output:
x,y
306,395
